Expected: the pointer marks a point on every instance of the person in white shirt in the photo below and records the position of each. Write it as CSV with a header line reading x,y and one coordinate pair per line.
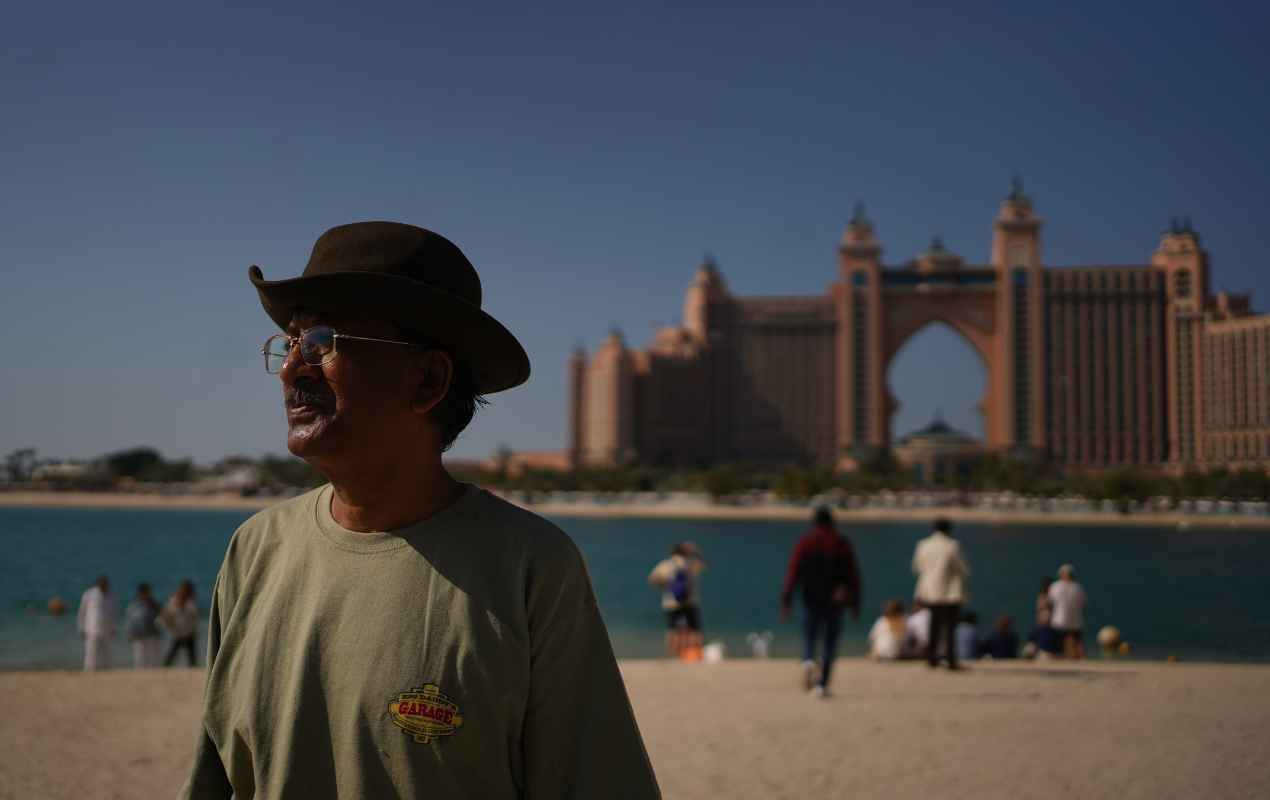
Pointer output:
x,y
1067,611
98,618
917,632
941,586
886,638
180,617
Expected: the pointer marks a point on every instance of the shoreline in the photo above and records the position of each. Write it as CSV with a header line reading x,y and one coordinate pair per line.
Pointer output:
x,y
675,510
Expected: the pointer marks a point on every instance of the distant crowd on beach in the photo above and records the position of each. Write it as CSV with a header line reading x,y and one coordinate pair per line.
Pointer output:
x,y
143,623
936,625
1057,630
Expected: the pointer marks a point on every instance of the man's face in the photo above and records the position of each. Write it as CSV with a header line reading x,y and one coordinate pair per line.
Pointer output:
x,y
356,406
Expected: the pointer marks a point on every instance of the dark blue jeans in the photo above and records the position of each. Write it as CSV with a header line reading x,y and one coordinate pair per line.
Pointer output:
x,y
828,621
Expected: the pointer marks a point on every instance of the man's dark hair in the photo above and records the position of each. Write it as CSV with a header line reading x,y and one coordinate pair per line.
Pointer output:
x,y
943,525
823,516
456,409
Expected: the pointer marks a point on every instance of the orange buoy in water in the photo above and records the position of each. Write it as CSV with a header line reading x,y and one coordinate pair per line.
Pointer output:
x,y
57,606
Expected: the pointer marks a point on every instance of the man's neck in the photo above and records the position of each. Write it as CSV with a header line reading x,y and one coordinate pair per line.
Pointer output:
x,y
389,496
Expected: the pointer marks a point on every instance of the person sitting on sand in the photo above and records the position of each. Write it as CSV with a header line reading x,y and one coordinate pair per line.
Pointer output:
x,y
886,637
916,631
395,632
1002,642
677,577
966,636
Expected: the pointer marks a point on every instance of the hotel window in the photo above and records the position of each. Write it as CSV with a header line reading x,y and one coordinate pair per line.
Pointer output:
x,y
1184,284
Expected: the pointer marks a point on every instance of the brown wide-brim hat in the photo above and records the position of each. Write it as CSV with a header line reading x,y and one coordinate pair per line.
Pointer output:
x,y
409,276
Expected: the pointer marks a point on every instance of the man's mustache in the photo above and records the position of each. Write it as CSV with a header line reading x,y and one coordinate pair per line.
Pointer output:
x,y
308,392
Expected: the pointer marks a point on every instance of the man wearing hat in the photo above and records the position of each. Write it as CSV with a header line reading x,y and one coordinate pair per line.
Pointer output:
x,y
396,633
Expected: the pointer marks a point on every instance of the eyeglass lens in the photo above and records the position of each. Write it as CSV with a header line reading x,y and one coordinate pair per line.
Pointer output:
x,y
317,346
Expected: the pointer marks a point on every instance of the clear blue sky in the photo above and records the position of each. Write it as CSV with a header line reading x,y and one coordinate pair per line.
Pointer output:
x,y
585,160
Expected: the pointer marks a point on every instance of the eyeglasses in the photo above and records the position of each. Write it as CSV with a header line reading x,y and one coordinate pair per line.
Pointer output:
x,y
318,346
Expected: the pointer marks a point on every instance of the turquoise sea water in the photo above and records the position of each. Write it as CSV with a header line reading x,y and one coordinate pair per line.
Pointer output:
x,y
1199,594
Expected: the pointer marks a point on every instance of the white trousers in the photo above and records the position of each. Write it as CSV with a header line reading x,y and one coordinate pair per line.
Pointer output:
x,y
145,653
96,652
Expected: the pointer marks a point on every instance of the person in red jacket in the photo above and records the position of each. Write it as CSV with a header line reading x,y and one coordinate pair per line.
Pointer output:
x,y
824,565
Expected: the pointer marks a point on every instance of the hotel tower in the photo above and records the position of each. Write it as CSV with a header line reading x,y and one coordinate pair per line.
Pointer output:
x,y
1089,366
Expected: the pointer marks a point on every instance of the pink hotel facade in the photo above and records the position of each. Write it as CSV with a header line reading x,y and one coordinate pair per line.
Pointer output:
x,y
1094,367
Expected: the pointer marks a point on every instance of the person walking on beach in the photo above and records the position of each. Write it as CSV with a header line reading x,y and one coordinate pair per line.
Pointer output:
x,y
677,577
180,616
1067,603
98,618
141,625
824,565
942,574
397,633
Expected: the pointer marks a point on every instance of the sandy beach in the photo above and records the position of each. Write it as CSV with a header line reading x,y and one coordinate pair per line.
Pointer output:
x,y
742,730
675,510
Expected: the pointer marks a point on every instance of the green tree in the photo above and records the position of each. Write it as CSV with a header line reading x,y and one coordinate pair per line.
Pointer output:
x,y
132,463
725,480
20,463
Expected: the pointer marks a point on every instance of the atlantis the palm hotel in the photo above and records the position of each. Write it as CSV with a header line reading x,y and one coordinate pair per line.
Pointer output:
x,y
1092,367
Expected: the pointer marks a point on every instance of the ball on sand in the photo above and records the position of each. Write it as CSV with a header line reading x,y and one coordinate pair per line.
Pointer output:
x,y
1125,649
57,606
1109,637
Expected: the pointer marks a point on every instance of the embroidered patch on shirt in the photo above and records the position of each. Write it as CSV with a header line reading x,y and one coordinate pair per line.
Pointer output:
x,y
425,713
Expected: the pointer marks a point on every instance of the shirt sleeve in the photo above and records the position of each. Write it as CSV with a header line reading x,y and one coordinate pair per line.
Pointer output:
x,y
659,576
579,739
207,779
791,573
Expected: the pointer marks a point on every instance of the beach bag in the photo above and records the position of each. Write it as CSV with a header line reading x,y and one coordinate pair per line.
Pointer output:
x,y
679,586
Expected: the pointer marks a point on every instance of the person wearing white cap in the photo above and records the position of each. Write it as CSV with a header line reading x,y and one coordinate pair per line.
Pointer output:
x,y
1067,601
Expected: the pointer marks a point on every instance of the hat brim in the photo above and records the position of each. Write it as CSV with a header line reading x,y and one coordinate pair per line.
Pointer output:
x,y
494,356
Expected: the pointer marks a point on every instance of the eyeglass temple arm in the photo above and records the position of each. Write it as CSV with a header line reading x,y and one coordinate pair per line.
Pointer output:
x,y
369,339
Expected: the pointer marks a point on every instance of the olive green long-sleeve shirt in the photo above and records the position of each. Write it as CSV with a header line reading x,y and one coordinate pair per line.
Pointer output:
x,y
463,656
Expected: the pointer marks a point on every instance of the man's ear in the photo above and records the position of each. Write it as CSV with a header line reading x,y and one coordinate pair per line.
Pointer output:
x,y
435,375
